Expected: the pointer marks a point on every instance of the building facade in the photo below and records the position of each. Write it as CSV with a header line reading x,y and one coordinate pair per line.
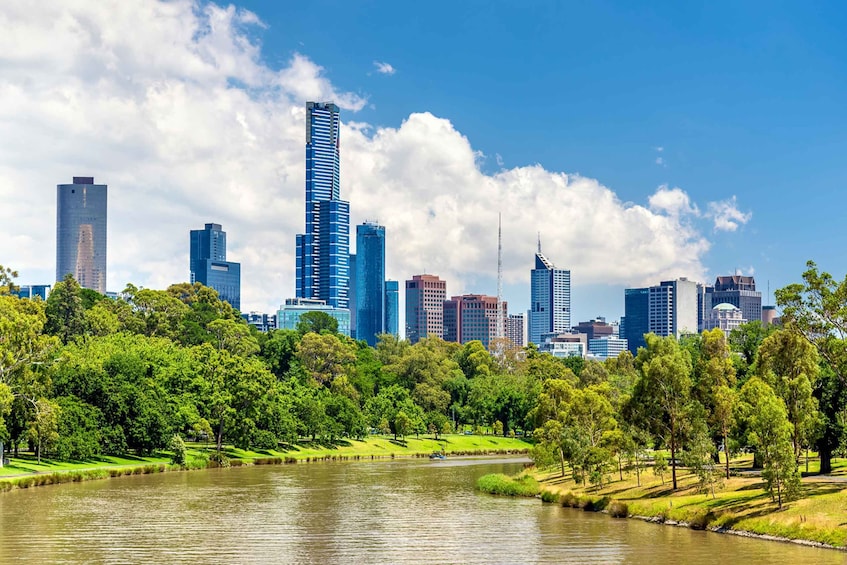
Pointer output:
x,y
262,322
34,291
392,308
636,321
208,265
516,329
288,315
595,328
564,344
370,282
673,308
323,251
550,299
425,296
81,232
738,290
472,317
725,316
607,347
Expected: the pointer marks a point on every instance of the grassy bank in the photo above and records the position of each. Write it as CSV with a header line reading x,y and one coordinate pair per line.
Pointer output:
x,y
740,505
25,471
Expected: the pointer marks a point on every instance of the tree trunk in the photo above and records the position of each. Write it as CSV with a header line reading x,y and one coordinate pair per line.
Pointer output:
x,y
620,467
726,453
637,470
826,459
562,460
219,439
2,453
673,453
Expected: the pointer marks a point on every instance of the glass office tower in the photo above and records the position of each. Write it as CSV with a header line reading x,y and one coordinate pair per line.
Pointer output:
x,y
81,232
370,281
323,250
208,264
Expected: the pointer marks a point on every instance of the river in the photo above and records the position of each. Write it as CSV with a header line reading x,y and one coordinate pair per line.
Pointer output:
x,y
402,511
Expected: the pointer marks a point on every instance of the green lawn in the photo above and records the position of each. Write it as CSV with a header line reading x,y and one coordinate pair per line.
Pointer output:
x,y
740,503
375,446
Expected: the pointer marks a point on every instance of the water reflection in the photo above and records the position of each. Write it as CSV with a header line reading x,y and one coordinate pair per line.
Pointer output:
x,y
409,511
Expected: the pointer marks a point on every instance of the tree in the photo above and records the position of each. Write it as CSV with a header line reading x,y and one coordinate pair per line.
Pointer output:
x,y
715,376
317,322
324,357
745,340
789,364
24,351
43,429
65,312
816,309
234,337
660,466
770,432
662,391
7,284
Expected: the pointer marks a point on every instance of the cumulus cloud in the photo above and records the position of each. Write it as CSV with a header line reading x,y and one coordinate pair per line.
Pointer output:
x,y
727,216
672,201
384,68
172,105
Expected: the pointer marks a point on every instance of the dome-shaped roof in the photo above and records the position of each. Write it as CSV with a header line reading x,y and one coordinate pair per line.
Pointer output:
x,y
725,306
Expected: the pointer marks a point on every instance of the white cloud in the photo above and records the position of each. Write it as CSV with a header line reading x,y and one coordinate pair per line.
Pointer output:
x,y
727,216
660,161
673,202
172,105
384,68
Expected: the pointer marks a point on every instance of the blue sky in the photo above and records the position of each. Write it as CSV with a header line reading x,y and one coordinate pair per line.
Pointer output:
x,y
745,99
660,115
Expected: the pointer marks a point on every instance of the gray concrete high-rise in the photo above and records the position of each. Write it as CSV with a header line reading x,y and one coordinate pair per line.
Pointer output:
x,y
81,232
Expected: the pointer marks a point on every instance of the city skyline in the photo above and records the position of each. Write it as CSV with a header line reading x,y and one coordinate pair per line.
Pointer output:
x,y
634,172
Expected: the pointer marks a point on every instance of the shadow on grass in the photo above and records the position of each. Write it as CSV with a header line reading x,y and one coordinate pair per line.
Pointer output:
x,y
400,442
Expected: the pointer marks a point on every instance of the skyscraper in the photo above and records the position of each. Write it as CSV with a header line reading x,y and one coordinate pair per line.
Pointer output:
x,y
425,296
392,308
636,316
81,232
370,281
208,265
550,299
323,250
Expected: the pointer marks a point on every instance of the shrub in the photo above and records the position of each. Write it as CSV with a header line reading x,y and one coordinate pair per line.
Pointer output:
x,y
177,446
702,520
218,459
618,509
570,500
547,496
497,483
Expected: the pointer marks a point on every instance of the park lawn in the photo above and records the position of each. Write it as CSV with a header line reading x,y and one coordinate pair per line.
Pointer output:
x,y
375,446
387,446
26,464
740,503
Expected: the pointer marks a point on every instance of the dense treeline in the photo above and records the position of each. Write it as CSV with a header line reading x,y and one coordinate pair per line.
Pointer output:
x,y
82,375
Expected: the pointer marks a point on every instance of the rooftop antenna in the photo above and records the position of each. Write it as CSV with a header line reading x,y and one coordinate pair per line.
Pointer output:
x,y
500,320
539,242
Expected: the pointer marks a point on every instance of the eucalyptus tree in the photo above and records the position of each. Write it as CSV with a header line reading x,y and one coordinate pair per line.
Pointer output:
x,y
662,392
816,309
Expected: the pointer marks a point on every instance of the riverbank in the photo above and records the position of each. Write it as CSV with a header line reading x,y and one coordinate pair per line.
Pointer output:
x,y
740,506
25,472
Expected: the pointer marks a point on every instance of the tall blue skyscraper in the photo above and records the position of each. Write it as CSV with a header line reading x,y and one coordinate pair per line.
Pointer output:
x,y
323,250
208,264
370,281
550,299
637,317
392,307
81,232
